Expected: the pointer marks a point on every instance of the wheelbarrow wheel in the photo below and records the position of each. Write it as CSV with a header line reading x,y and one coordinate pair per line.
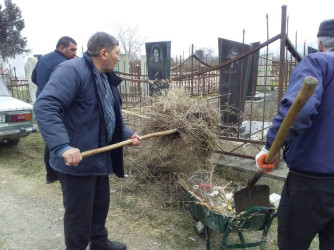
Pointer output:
x,y
199,228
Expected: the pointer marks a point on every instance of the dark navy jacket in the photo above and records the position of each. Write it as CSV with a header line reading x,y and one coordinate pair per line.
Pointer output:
x,y
41,73
70,110
311,139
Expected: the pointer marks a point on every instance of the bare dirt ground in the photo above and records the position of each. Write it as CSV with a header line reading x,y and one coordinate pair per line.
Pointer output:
x,y
31,214
31,217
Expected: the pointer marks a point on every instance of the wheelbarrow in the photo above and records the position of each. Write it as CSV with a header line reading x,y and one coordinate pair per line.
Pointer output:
x,y
253,219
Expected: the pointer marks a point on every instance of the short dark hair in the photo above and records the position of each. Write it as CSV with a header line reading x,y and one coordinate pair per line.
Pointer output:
x,y
65,41
99,41
157,48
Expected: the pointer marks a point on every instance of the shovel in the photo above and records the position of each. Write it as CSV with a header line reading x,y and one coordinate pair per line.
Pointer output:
x,y
259,195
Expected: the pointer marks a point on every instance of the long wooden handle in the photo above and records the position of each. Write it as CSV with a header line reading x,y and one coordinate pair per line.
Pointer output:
x,y
124,143
307,90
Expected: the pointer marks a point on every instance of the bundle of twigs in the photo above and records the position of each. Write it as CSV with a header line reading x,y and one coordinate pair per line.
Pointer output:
x,y
191,148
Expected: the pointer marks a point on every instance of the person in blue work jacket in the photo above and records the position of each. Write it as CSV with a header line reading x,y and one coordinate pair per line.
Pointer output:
x,y
307,202
66,49
78,110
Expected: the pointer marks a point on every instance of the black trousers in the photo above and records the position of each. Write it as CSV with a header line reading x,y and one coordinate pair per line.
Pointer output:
x,y
86,201
305,210
51,174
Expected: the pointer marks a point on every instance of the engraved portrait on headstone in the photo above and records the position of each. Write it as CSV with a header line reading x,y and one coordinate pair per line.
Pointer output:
x,y
231,55
158,65
234,79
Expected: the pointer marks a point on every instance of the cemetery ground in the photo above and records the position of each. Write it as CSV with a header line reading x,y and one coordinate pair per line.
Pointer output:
x,y
31,212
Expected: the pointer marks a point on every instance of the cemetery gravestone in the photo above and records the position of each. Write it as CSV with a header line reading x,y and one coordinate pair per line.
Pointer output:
x,y
234,81
158,65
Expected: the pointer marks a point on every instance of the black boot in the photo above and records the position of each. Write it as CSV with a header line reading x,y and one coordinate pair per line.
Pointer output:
x,y
108,245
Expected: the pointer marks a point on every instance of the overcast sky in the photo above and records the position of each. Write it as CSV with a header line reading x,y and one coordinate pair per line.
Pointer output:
x,y
180,21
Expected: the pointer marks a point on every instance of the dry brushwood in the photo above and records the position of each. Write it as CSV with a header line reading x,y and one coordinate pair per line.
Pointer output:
x,y
189,149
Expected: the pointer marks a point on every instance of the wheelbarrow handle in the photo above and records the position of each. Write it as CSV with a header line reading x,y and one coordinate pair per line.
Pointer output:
x,y
307,90
124,143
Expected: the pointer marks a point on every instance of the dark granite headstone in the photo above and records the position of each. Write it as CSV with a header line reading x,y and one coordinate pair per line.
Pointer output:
x,y
234,80
311,50
251,89
158,65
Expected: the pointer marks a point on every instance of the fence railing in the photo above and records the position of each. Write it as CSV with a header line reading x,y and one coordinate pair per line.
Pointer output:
x,y
199,79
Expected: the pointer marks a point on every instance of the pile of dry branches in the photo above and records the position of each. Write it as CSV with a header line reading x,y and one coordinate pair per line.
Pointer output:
x,y
192,147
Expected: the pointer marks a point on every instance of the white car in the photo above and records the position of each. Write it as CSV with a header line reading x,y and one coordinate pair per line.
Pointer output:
x,y
16,117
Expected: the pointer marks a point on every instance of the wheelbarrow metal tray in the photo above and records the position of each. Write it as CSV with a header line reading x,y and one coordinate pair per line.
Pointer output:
x,y
253,219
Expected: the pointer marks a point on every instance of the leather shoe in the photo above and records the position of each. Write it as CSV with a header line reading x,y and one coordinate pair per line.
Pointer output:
x,y
109,245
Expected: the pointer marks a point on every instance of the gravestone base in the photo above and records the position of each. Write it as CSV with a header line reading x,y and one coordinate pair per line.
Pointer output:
x,y
231,130
253,129
257,97
248,130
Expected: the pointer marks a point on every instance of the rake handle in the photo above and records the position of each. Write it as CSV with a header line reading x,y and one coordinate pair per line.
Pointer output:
x,y
124,143
307,90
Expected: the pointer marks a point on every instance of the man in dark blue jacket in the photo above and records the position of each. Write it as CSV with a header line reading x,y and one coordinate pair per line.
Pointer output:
x,y
307,201
80,109
66,49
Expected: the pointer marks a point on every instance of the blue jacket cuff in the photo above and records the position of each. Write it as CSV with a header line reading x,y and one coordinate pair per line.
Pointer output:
x,y
60,149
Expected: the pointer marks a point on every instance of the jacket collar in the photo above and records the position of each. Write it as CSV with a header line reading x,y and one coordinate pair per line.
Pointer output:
x,y
114,79
57,51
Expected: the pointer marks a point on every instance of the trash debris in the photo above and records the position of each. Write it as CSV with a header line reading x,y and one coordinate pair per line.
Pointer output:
x,y
274,199
193,239
214,193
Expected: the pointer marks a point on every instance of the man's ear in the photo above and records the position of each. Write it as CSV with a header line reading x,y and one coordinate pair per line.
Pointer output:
x,y
103,53
61,48
320,46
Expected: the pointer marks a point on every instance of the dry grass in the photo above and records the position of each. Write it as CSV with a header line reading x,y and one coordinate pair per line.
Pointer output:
x,y
183,152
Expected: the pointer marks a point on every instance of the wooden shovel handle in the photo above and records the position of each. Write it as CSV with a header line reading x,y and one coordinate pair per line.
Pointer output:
x,y
307,90
124,143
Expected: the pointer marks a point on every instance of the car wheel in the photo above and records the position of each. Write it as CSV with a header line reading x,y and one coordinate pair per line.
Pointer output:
x,y
13,141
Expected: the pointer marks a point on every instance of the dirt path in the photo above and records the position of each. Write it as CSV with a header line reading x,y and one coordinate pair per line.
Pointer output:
x,y
31,218
31,214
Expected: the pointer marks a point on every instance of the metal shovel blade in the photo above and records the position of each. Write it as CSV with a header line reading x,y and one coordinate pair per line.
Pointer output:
x,y
254,196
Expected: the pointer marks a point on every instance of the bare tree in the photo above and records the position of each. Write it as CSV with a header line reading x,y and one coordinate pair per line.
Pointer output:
x,y
207,55
131,43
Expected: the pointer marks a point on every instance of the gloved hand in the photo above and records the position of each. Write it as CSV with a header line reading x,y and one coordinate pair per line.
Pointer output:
x,y
260,158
